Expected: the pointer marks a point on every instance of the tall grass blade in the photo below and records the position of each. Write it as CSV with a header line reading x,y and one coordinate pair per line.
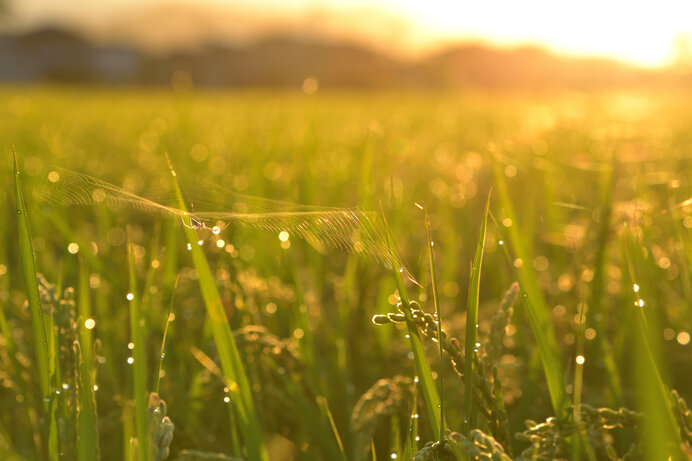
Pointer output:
x,y
472,321
84,309
139,366
436,302
662,437
87,433
536,307
231,363
426,382
169,318
44,353
597,314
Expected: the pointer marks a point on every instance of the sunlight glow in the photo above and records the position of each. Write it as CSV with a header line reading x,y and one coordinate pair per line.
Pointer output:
x,y
637,32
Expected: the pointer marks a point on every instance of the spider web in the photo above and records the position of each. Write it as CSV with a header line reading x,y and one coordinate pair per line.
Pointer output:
x,y
352,230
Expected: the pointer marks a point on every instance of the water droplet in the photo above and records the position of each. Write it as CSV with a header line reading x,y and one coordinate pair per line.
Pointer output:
x,y
407,336
216,230
19,211
65,386
635,287
163,356
524,295
189,247
501,242
415,379
227,399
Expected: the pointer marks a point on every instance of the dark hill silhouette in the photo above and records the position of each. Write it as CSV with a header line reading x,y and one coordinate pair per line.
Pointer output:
x,y
53,54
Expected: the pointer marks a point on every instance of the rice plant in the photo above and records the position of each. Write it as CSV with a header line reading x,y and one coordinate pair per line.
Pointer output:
x,y
277,294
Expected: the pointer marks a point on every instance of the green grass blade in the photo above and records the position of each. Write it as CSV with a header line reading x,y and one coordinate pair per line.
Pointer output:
x,y
157,376
44,353
436,302
663,433
84,309
139,367
536,307
426,382
580,438
471,321
231,363
324,407
87,433
597,314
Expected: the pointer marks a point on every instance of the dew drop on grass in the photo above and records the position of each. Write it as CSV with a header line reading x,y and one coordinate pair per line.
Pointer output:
x,y
130,360
65,386
19,211
227,399
189,247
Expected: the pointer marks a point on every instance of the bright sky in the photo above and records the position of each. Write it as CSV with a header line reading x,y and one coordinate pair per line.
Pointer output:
x,y
636,31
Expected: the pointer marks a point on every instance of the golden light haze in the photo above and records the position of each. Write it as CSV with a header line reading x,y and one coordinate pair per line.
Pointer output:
x,y
645,33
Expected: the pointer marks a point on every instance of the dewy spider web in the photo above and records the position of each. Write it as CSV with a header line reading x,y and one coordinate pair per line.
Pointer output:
x,y
349,229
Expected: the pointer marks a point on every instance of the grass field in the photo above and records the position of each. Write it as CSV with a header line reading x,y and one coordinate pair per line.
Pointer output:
x,y
278,350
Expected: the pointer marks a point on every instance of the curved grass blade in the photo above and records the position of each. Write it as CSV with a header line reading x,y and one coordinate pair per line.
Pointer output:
x,y
44,353
471,322
231,363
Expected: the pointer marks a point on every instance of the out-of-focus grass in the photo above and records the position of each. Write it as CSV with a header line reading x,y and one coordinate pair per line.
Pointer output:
x,y
556,194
